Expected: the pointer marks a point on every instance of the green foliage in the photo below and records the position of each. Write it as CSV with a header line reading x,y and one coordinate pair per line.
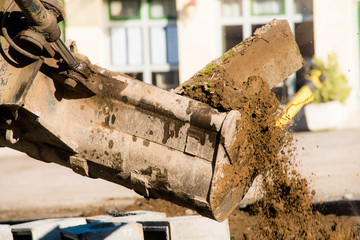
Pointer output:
x,y
214,64
211,66
185,85
228,54
335,87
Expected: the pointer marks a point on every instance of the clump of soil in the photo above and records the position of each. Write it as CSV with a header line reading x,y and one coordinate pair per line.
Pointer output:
x,y
285,210
159,205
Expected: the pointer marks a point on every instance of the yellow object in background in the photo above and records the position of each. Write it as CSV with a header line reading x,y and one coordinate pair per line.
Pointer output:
x,y
303,96
315,77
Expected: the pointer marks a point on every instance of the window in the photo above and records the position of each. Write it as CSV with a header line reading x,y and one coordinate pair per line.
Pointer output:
x,y
165,79
124,9
232,36
231,8
304,7
143,40
163,45
304,36
162,9
240,18
126,46
267,7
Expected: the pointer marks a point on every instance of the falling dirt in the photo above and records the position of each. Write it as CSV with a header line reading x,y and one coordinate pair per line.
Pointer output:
x,y
285,211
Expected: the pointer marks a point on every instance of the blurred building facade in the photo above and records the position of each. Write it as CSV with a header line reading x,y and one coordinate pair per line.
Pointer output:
x,y
164,42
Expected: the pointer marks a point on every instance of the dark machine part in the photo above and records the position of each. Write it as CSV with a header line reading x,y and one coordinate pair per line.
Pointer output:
x,y
42,37
40,19
66,54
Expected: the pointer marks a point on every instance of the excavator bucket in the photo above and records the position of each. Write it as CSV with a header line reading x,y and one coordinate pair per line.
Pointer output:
x,y
111,126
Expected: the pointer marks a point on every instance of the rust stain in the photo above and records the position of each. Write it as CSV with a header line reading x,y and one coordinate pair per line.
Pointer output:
x,y
113,119
111,144
107,121
171,130
146,143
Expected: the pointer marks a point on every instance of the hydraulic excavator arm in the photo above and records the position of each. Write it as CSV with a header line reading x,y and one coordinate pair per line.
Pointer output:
x,y
59,108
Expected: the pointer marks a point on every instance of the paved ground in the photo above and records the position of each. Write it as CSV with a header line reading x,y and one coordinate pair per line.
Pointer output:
x,y
28,188
330,161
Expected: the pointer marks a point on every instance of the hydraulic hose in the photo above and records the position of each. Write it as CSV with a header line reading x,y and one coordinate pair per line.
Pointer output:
x,y
9,40
40,18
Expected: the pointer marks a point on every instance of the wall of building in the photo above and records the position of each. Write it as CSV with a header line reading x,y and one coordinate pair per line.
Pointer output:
x,y
84,24
197,31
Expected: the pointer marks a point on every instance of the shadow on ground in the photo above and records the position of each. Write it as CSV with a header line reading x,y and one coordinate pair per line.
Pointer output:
x,y
339,208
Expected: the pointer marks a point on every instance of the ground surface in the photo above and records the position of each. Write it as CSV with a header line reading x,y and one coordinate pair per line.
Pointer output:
x,y
30,189
243,222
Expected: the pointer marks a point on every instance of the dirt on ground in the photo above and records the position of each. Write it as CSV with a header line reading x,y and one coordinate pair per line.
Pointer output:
x,y
244,223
